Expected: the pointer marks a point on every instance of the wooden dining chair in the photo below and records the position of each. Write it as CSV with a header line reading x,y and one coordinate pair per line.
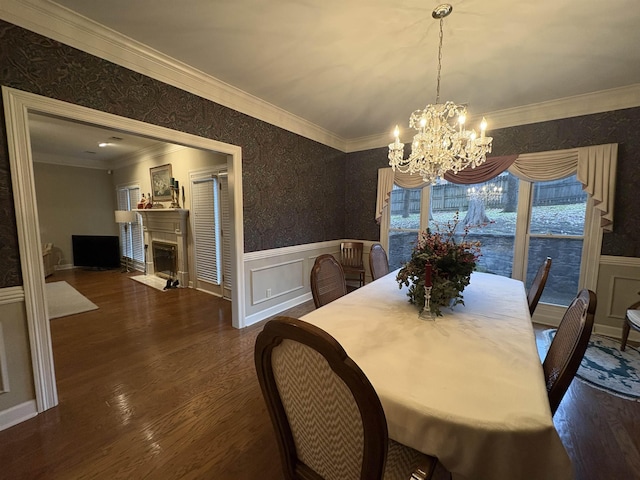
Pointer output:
x,y
631,320
378,261
328,419
568,346
327,280
540,280
351,254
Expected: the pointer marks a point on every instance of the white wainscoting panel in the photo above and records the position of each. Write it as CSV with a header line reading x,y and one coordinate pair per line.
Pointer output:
x,y
618,287
278,279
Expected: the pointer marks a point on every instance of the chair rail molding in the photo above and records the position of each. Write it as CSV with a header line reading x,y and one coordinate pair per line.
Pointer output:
x,y
11,295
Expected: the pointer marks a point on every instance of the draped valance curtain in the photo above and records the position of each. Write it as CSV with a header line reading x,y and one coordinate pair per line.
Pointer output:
x,y
594,166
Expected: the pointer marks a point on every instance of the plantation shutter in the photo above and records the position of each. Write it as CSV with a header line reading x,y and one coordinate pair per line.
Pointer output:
x,y
206,229
137,236
123,204
131,239
226,230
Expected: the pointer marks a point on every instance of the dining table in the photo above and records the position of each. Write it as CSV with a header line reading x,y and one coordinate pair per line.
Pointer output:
x,y
466,387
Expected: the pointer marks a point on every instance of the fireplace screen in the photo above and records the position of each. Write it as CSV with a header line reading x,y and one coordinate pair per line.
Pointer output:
x,y
164,259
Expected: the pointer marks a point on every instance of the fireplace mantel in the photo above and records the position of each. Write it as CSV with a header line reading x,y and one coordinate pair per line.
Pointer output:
x,y
168,225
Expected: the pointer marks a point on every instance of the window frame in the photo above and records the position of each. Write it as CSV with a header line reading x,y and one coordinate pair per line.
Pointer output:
x,y
591,248
385,221
137,258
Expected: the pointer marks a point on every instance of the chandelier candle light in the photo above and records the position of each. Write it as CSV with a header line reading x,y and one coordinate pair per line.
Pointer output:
x,y
486,194
442,144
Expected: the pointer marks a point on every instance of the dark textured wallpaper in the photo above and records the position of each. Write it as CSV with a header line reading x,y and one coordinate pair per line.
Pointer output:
x,y
293,187
620,127
296,191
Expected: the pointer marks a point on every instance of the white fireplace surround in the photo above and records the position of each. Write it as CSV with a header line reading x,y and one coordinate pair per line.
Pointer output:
x,y
167,225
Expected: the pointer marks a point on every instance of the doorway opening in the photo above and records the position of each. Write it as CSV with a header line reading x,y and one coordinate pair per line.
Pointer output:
x,y
18,105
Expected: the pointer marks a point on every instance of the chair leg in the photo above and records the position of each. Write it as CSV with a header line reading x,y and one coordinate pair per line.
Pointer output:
x,y
625,335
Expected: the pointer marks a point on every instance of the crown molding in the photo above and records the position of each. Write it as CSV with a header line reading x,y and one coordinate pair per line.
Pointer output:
x,y
58,23
54,21
149,153
568,107
54,159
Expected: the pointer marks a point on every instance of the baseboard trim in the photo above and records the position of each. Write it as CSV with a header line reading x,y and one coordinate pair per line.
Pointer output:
x,y
66,266
18,414
281,307
599,329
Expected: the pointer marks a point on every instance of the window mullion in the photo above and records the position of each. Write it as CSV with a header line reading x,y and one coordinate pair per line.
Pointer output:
x,y
521,243
425,200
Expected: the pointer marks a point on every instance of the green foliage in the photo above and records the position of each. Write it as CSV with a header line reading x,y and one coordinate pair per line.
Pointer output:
x,y
451,262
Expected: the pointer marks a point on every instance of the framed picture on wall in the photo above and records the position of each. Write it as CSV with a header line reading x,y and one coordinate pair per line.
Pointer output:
x,y
161,183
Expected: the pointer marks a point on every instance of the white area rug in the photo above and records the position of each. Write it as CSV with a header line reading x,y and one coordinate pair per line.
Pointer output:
x,y
63,300
151,281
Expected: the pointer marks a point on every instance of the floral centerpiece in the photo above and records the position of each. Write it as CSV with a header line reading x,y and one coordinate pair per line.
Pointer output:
x,y
442,261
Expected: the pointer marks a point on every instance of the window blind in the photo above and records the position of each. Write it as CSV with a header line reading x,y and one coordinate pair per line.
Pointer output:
x,y
206,225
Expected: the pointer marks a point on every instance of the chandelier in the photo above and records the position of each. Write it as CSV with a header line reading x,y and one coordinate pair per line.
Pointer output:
x,y
486,194
441,143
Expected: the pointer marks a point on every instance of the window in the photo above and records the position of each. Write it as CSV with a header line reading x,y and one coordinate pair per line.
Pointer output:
x,y
518,223
211,223
131,239
489,210
206,225
557,212
406,220
542,210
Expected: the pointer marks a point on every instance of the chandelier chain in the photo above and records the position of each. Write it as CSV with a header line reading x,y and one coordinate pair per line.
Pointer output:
x,y
439,63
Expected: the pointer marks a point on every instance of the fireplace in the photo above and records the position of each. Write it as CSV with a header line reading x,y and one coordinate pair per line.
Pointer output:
x,y
165,259
165,234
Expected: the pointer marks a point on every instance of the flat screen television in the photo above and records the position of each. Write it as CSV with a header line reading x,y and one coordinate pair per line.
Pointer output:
x,y
96,251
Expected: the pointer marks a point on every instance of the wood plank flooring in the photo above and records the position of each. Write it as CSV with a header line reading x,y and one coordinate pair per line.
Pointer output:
x,y
158,385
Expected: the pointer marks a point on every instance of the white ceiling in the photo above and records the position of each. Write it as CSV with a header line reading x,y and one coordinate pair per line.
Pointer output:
x,y
344,72
357,67
65,142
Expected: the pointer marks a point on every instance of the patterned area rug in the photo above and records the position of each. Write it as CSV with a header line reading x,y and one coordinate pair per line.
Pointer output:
x,y
605,367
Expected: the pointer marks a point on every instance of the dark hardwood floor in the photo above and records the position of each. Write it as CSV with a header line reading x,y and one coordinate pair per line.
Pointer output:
x,y
158,385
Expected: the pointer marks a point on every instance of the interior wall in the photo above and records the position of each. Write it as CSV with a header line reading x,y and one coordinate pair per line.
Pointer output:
x,y
182,160
73,201
293,187
15,343
619,127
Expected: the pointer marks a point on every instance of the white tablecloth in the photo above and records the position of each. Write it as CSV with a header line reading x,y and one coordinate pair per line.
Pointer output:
x,y
467,387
